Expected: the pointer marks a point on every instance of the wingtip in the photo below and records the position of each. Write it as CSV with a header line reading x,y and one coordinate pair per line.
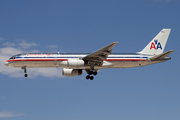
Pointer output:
x,y
115,42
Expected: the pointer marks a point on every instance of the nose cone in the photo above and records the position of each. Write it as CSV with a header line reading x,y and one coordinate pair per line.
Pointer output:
x,y
6,63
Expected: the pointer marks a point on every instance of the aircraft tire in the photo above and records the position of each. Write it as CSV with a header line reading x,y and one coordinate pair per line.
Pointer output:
x,y
95,73
87,77
90,72
25,75
91,78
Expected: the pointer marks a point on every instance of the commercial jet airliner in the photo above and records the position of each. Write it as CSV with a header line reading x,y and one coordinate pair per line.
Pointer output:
x,y
73,64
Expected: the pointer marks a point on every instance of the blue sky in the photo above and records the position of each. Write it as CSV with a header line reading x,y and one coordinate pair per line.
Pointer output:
x,y
143,93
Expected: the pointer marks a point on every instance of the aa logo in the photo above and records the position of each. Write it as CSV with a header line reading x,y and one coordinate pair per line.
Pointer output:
x,y
156,45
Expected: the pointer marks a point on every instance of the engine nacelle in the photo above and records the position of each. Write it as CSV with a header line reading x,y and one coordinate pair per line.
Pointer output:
x,y
73,63
71,72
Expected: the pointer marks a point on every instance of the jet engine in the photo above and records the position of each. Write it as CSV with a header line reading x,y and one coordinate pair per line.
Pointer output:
x,y
71,72
73,63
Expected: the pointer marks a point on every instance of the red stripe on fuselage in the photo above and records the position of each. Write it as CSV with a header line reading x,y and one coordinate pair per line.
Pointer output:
x,y
124,60
44,60
36,60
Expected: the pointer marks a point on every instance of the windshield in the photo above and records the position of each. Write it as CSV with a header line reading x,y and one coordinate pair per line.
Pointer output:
x,y
13,57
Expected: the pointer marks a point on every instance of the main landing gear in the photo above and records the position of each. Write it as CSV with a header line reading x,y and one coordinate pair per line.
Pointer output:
x,y
25,71
90,73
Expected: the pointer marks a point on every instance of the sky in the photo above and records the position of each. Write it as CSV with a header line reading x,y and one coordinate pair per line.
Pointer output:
x,y
82,26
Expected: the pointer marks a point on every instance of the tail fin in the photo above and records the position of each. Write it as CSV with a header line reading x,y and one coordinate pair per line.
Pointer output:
x,y
157,45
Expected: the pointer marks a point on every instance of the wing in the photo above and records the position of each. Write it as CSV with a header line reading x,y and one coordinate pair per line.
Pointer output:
x,y
97,57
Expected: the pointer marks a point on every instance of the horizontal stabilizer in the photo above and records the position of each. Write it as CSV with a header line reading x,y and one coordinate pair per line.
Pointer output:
x,y
162,55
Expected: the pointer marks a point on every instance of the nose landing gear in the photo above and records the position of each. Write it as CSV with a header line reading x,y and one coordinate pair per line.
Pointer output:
x,y
25,71
25,75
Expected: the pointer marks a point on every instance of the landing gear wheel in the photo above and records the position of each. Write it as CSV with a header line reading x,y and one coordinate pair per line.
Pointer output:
x,y
95,73
90,72
25,75
91,78
87,77
25,71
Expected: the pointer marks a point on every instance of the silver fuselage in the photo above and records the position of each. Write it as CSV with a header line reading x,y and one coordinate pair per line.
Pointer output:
x,y
116,60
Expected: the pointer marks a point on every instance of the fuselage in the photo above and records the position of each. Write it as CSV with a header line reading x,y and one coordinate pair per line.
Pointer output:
x,y
115,60
73,64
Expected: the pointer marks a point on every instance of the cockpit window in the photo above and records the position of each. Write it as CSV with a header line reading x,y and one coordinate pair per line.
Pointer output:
x,y
13,57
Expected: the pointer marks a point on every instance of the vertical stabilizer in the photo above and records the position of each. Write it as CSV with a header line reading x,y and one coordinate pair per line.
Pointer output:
x,y
157,45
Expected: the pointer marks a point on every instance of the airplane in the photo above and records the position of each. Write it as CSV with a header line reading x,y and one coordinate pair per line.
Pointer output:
x,y
73,64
